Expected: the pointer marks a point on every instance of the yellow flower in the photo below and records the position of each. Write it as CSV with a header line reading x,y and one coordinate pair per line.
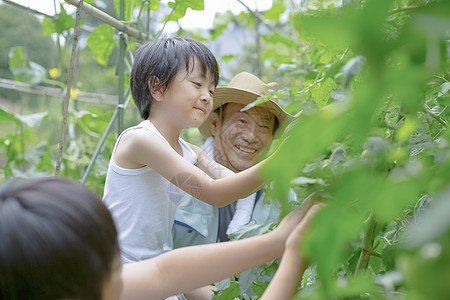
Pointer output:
x,y
73,93
53,73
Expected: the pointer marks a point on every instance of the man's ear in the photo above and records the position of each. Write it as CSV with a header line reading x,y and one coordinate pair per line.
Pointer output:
x,y
214,123
155,88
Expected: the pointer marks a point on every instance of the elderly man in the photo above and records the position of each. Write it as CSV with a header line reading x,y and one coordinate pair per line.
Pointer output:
x,y
237,140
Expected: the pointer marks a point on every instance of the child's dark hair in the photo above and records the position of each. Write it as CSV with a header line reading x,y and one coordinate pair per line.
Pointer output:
x,y
57,240
163,59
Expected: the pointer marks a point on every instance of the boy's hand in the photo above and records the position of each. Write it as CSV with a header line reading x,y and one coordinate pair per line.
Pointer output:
x,y
290,222
294,239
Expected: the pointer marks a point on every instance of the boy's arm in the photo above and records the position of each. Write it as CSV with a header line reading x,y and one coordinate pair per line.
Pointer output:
x,y
185,269
140,147
209,165
284,284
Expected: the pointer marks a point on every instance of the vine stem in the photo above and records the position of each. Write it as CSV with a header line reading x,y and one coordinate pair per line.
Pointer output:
x,y
69,86
257,16
367,250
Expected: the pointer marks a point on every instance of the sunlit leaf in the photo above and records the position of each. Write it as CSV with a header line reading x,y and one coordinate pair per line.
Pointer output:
x,y
179,8
101,43
321,92
275,12
62,22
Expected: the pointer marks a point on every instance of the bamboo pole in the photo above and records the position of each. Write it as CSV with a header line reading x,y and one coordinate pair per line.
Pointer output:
x,y
107,19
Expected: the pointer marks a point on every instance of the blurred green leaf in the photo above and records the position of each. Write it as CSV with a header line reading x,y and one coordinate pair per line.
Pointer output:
x,y
63,22
321,92
33,119
23,70
275,38
231,292
7,116
179,8
432,224
101,43
277,9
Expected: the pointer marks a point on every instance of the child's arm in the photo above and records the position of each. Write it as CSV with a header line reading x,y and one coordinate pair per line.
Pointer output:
x,y
289,274
140,147
209,165
185,269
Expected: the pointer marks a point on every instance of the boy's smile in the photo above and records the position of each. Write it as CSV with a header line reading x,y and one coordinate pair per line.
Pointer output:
x,y
188,99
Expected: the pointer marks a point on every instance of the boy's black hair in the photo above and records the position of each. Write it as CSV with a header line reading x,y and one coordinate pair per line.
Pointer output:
x,y
163,59
57,240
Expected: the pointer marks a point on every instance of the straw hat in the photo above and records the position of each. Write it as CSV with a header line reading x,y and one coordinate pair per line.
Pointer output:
x,y
244,88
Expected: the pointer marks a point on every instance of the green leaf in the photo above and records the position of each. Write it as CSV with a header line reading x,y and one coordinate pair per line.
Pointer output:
x,y
23,70
259,287
231,292
101,43
321,91
275,37
33,119
274,13
180,6
228,57
432,224
7,116
16,58
259,100
220,23
276,56
249,230
62,23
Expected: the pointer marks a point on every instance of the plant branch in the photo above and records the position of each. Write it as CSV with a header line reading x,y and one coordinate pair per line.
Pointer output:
x,y
402,9
258,16
69,86
107,19
434,116
165,23
368,249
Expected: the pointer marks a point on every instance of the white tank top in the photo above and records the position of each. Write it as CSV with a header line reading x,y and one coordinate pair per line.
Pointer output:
x,y
143,204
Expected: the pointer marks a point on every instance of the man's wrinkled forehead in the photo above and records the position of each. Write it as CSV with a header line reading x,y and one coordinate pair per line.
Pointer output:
x,y
235,108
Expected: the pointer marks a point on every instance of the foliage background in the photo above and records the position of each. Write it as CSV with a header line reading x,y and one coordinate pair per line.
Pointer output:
x,y
371,80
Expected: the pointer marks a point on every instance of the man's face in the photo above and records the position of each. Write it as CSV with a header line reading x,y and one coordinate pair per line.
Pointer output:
x,y
242,136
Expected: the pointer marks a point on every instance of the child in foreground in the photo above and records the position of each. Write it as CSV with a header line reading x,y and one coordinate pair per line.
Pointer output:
x,y
152,168
58,241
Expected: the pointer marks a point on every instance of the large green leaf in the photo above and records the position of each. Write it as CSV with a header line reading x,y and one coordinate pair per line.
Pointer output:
x,y
179,8
274,13
101,43
62,23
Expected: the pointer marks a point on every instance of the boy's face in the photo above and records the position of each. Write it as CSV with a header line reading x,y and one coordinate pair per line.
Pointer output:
x,y
242,136
189,97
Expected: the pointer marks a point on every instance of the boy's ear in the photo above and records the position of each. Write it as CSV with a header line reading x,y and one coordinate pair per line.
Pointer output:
x,y
155,88
214,123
